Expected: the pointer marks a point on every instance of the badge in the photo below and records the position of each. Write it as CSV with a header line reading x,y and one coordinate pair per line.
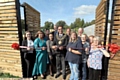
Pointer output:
x,y
59,42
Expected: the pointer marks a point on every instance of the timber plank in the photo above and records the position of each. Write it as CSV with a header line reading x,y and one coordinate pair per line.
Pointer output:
x,y
7,4
8,14
6,0
114,62
7,7
2,25
9,29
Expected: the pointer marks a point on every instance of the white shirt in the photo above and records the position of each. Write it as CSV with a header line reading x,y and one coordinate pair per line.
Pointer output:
x,y
30,44
60,35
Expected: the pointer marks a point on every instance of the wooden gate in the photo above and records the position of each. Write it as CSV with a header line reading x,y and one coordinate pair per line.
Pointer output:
x,y
10,32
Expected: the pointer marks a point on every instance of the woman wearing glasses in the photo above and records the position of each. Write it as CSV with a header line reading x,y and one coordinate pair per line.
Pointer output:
x,y
95,59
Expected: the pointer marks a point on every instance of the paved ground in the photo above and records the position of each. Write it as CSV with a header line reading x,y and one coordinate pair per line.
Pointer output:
x,y
53,77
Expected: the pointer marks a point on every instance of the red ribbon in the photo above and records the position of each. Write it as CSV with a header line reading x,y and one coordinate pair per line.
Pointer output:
x,y
15,46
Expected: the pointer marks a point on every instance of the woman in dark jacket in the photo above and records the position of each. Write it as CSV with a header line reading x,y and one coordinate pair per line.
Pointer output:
x,y
73,56
28,53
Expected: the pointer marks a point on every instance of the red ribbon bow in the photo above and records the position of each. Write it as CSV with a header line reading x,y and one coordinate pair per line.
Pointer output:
x,y
114,48
15,46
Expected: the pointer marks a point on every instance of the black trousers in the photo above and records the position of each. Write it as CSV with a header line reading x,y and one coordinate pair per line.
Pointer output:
x,y
94,74
29,59
60,61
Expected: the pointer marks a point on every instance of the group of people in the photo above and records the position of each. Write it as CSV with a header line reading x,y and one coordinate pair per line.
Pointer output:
x,y
76,51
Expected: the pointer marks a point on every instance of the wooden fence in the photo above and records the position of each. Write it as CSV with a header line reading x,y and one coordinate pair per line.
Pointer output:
x,y
114,64
100,19
10,60
32,19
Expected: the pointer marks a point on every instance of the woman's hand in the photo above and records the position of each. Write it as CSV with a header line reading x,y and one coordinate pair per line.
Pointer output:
x,y
28,48
43,48
70,49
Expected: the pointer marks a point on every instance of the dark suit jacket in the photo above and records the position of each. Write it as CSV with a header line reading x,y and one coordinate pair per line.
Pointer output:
x,y
64,44
24,50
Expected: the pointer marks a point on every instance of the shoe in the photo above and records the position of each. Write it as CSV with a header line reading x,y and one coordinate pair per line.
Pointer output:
x,y
51,74
64,77
42,76
57,75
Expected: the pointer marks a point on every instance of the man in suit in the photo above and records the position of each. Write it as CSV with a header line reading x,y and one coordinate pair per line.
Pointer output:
x,y
59,45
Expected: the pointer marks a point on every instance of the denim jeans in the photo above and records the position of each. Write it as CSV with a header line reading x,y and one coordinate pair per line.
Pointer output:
x,y
74,68
84,71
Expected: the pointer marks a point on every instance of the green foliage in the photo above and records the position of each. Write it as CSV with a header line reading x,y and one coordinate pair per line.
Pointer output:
x,y
22,23
48,25
74,26
61,23
7,75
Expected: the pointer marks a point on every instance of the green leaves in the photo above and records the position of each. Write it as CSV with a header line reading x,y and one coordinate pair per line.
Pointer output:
x,y
7,75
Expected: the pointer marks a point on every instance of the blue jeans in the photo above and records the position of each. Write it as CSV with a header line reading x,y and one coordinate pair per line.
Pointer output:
x,y
74,71
84,71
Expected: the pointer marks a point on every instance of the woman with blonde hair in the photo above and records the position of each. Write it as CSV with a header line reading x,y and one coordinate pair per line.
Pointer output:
x,y
73,56
41,55
95,59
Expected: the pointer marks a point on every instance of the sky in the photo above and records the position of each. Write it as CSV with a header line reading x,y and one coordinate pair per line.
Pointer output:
x,y
66,10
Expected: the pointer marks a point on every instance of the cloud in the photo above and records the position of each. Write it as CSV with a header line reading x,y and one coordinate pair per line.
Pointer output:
x,y
49,19
84,10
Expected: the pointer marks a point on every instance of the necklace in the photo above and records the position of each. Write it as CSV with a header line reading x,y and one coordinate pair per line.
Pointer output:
x,y
60,39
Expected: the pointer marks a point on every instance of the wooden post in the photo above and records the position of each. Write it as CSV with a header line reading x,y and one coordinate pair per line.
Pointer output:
x,y
105,59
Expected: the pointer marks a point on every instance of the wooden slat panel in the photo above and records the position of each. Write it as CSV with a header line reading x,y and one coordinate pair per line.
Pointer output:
x,y
10,39
116,22
9,32
116,36
11,29
117,8
7,4
8,14
113,78
6,0
114,62
117,12
8,25
8,18
7,7
7,11
5,22
114,66
10,59
116,27
7,42
117,2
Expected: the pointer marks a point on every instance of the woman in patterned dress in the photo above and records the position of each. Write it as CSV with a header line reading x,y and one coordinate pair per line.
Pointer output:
x,y
95,59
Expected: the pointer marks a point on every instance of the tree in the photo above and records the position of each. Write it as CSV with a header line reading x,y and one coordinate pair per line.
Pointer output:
x,y
48,25
61,23
22,23
77,23
82,23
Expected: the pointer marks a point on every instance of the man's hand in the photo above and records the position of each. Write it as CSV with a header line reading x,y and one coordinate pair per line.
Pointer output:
x,y
55,47
61,47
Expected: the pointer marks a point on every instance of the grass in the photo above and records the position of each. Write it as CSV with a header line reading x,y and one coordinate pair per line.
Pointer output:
x,y
7,75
